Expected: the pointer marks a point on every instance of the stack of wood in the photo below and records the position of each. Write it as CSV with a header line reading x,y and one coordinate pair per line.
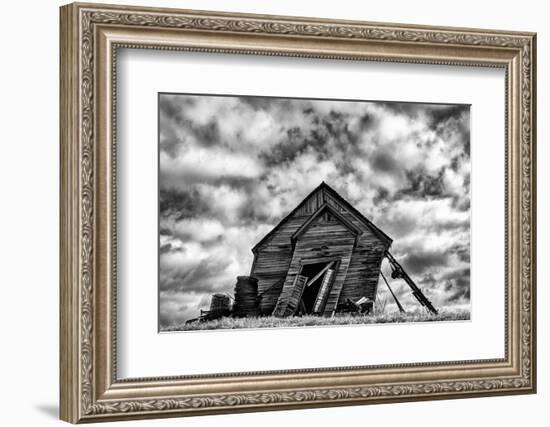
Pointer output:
x,y
220,306
246,297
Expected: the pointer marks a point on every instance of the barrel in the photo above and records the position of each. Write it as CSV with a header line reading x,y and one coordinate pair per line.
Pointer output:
x,y
220,305
246,297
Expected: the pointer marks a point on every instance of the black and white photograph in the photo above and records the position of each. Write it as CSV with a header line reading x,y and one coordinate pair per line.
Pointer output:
x,y
293,212
261,210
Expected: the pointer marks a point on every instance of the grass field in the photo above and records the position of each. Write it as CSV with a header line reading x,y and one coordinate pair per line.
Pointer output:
x,y
297,321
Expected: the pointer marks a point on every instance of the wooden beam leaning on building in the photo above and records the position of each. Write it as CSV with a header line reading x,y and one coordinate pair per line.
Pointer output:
x,y
318,275
324,290
401,309
398,272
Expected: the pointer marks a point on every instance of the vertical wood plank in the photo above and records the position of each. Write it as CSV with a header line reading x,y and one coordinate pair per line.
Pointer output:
x,y
323,292
296,296
290,297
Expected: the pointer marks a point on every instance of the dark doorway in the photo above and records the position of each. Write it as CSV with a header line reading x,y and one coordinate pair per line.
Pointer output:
x,y
310,292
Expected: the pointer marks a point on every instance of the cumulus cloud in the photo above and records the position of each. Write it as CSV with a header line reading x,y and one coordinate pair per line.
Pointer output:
x,y
231,167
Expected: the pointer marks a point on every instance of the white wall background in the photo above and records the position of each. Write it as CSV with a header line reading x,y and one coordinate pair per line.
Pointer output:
x,y
29,170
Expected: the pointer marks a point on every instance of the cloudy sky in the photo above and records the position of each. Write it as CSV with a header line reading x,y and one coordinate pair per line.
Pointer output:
x,y
232,167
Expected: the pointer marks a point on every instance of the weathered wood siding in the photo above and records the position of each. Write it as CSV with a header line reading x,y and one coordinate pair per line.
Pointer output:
x,y
311,204
324,240
274,257
271,264
290,297
364,269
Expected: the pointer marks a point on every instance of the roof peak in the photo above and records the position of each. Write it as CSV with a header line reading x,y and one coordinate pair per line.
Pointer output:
x,y
334,193
323,184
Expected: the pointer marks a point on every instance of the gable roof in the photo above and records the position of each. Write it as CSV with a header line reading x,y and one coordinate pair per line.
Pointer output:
x,y
325,187
325,207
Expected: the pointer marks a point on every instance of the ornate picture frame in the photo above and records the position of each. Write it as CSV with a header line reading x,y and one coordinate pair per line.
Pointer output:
x,y
90,37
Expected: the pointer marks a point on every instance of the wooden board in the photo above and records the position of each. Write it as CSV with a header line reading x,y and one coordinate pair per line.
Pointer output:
x,y
296,295
324,290
290,297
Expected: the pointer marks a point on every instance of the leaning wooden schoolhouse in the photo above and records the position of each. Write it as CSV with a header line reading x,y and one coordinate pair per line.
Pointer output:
x,y
319,258
324,257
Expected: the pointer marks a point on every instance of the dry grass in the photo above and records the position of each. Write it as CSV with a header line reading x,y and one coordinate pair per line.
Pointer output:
x,y
300,321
